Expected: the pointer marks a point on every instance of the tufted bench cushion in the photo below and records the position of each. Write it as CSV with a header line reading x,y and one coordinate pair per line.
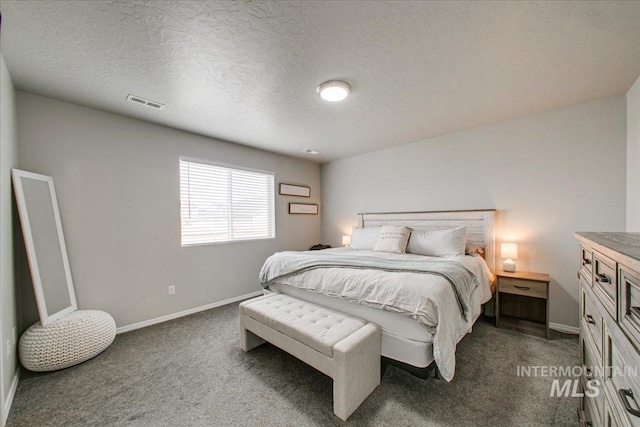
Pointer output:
x,y
315,326
343,347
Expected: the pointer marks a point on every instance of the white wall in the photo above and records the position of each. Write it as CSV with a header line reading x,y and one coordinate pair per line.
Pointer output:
x,y
548,175
117,182
8,160
633,157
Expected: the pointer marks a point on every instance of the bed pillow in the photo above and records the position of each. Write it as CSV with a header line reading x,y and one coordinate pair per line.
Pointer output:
x,y
472,249
364,238
441,243
392,239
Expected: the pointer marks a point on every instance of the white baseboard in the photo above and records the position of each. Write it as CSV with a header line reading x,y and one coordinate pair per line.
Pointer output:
x,y
168,317
12,392
564,328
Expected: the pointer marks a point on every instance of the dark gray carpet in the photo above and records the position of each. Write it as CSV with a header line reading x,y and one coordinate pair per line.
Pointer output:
x,y
191,372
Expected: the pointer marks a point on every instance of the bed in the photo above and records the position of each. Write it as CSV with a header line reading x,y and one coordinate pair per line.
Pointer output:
x,y
426,328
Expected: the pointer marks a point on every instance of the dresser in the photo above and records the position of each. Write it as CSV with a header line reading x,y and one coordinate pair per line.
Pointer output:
x,y
609,275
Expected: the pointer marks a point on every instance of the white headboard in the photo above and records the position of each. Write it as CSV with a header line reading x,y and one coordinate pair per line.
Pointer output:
x,y
480,225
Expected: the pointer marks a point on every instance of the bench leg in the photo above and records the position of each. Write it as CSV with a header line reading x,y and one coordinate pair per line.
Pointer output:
x,y
357,371
249,340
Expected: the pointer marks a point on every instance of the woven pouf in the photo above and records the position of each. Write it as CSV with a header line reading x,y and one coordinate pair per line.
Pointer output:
x,y
73,339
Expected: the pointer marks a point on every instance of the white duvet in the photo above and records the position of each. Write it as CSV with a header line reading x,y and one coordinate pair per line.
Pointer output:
x,y
427,298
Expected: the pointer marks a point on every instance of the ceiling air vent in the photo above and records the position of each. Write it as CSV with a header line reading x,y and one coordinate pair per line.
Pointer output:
x,y
146,102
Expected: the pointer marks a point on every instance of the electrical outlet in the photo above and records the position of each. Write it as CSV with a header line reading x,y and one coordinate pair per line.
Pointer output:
x,y
172,290
15,335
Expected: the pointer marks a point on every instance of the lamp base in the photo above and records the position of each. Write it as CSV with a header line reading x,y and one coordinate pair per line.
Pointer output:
x,y
509,266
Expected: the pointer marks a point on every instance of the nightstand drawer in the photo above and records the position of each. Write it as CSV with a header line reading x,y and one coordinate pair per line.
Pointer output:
x,y
527,288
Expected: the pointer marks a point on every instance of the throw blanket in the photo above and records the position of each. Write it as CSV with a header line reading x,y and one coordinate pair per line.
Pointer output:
x,y
436,292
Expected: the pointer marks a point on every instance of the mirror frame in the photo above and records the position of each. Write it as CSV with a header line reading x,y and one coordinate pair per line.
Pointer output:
x,y
23,212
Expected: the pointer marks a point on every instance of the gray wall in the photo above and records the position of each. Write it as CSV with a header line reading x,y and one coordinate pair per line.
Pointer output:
x,y
633,157
8,160
548,175
118,190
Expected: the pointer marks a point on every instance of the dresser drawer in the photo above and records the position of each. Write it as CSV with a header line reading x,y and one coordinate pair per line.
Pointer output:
x,y
605,283
629,313
591,319
610,417
586,261
592,372
589,416
527,288
591,359
623,364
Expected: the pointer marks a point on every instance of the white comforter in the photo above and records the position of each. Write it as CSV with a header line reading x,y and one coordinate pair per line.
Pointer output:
x,y
430,299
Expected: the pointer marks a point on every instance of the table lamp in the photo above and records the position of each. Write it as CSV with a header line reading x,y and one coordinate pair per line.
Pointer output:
x,y
510,252
346,240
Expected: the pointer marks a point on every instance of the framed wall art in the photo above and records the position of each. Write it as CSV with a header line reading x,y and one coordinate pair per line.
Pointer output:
x,y
303,208
295,190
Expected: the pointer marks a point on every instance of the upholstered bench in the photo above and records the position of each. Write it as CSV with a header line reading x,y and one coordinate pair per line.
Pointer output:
x,y
345,348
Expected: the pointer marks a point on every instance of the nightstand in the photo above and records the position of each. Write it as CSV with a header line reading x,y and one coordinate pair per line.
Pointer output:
x,y
522,302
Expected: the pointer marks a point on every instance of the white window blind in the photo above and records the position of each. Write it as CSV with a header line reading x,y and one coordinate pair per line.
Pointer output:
x,y
224,204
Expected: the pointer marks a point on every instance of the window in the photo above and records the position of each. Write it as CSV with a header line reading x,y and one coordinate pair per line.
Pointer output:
x,y
225,204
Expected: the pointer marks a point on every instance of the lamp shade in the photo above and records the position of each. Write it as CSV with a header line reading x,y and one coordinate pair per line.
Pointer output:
x,y
509,250
346,240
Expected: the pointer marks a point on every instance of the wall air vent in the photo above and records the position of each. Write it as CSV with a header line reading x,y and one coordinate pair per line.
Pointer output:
x,y
146,102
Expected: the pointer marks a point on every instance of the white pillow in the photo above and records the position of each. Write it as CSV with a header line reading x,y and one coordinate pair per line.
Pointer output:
x,y
392,239
364,238
442,243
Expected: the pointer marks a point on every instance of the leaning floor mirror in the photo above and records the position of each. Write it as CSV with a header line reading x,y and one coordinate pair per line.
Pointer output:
x,y
44,241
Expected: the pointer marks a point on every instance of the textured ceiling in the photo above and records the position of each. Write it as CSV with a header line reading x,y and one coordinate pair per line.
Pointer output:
x,y
246,72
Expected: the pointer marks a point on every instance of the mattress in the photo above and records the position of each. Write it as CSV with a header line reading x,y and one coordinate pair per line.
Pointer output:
x,y
403,339
390,323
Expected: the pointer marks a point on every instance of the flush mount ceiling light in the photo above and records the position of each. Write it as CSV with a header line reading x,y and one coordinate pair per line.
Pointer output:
x,y
334,90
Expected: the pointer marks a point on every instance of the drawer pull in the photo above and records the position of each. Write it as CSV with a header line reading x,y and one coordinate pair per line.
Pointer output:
x,y
602,278
522,288
589,319
586,261
587,372
625,394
